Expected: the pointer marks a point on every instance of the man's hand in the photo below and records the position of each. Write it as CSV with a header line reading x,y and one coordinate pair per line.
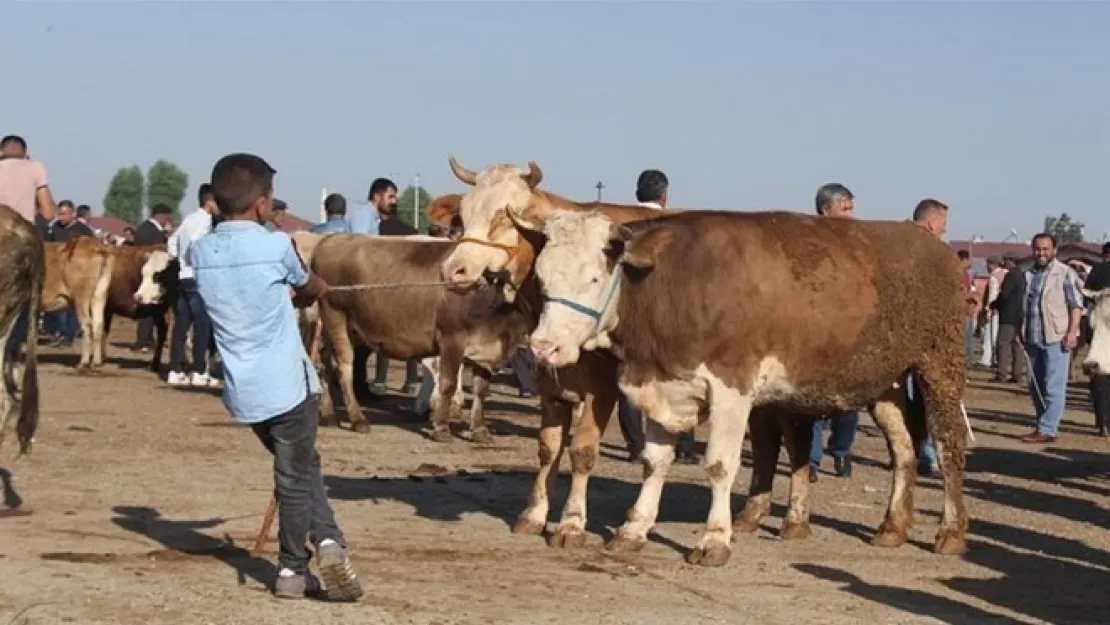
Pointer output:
x,y
1071,340
312,290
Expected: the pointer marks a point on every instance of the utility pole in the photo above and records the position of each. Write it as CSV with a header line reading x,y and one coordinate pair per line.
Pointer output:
x,y
416,203
600,186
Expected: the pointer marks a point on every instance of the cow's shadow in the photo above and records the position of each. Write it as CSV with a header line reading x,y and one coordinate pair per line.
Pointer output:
x,y
503,493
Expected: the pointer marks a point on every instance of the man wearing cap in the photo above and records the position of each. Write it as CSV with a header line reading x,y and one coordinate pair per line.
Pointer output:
x,y
996,273
153,231
1009,306
277,217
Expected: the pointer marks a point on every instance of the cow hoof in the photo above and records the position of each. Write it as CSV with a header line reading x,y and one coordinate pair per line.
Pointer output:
x,y
949,544
712,554
524,525
889,539
481,437
567,538
622,543
362,427
746,524
442,436
794,531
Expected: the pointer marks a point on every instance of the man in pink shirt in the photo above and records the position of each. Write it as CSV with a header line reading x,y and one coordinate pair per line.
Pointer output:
x,y
23,184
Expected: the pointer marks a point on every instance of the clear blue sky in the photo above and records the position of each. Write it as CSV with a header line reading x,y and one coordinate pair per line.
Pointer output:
x,y
999,109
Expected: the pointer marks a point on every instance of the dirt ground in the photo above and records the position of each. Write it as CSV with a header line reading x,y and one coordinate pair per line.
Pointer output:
x,y
139,503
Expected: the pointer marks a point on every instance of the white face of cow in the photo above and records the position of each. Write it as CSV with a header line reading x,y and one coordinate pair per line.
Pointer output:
x,y
1098,354
489,238
150,291
580,288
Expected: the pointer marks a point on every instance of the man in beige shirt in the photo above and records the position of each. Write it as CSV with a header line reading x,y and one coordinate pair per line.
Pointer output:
x,y
23,184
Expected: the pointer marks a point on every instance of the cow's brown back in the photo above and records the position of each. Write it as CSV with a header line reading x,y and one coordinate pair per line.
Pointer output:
x,y
738,288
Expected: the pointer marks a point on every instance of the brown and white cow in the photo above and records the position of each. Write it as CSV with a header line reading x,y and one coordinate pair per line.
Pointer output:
x,y
413,317
715,313
144,284
23,259
493,246
78,276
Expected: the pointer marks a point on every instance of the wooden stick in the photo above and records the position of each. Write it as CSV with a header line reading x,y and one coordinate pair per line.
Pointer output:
x,y
267,522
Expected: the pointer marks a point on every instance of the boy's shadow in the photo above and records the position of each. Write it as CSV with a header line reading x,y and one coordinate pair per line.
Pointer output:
x,y
182,537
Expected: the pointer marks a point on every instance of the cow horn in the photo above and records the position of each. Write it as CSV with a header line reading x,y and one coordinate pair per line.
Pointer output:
x,y
462,173
534,175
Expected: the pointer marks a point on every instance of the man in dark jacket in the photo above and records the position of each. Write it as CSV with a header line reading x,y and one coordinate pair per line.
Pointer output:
x,y
383,197
1010,306
151,232
1099,279
65,227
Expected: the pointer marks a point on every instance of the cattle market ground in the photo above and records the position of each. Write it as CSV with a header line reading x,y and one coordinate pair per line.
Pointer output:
x,y
139,503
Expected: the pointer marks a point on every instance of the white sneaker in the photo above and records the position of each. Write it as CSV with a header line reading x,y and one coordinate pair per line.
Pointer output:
x,y
177,378
201,380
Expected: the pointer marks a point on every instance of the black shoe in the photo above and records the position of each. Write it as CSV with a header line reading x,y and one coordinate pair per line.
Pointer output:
x,y
527,394
843,466
1104,432
812,474
635,455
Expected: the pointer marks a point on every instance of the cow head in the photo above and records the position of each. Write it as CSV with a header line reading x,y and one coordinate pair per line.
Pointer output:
x,y
490,248
581,285
159,277
1098,354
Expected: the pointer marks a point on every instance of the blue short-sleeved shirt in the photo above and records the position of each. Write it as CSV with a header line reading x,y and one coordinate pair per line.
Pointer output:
x,y
363,218
243,274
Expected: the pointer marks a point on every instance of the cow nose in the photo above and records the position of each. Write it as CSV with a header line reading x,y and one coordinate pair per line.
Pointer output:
x,y
545,351
1090,368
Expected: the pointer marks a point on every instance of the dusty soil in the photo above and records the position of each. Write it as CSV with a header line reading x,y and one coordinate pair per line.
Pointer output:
x,y
139,503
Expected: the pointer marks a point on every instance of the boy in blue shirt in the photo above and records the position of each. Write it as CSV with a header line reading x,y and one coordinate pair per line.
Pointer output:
x,y
243,273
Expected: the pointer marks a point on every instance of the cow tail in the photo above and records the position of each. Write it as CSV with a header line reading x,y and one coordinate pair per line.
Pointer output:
x,y
29,401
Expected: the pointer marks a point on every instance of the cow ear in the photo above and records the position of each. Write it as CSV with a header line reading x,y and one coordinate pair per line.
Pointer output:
x,y
642,249
527,219
444,210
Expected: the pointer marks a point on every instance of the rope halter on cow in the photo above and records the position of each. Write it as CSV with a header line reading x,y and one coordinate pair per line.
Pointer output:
x,y
597,314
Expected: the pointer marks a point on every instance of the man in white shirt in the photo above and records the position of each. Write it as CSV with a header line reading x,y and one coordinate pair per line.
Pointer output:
x,y
651,191
990,329
189,310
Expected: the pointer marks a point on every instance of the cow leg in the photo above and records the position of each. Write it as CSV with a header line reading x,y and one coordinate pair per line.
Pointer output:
x,y
104,333
479,390
459,398
767,433
450,360
798,435
343,351
729,412
944,407
161,328
326,368
84,321
888,414
98,337
584,447
658,456
554,421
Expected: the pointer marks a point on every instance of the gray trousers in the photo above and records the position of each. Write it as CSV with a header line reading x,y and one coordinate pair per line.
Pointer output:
x,y
1011,356
304,512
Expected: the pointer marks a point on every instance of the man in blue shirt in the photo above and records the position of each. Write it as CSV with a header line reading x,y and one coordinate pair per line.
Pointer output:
x,y
243,273
335,207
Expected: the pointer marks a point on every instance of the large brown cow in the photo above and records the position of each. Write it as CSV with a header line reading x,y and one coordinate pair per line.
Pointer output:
x,y
23,259
493,246
411,319
713,314
144,284
78,276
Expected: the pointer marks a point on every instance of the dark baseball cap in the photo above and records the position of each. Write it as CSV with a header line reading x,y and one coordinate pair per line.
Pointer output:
x,y
280,205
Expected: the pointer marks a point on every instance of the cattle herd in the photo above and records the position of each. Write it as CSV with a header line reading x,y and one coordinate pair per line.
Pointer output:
x,y
730,318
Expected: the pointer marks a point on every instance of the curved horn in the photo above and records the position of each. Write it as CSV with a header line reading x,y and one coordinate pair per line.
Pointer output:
x,y
534,175
462,173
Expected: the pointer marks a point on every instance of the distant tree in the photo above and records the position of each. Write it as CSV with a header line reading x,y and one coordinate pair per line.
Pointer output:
x,y
410,202
124,198
166,183
1064,228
